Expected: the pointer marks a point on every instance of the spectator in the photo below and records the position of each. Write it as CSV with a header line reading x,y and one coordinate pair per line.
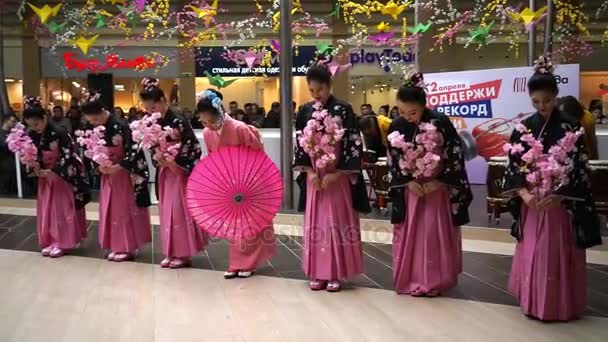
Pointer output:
x,y
8,177
248,109
60,119
394,113
273,118
366,109
375,129
596,111
132,115
241,116
384,110
233,107
256,117
189,115
75,117
119,113
570,106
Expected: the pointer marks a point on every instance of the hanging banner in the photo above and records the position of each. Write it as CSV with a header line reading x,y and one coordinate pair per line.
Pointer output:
x,y
488,104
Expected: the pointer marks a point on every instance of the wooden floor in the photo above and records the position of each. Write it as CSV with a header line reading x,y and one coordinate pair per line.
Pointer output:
x,y
86,299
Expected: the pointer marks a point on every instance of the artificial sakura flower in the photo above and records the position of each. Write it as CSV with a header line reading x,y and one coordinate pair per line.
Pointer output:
x,y
320,136
19,142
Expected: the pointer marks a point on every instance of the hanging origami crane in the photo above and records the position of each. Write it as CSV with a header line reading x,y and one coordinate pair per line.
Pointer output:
x,y
529,17
55,27
84,44
382,38
419,28
140,5
481,33
101,18
207,12
393,9
323,49
275,45
218,81
335,67
46,11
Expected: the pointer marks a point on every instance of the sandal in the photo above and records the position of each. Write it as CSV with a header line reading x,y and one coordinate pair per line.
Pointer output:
x,y
165,263
245,274
46,251
334,286
317,285
180,263
230,274
57,253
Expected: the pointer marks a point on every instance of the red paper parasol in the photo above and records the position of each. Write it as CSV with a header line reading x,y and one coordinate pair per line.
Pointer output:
x,y
234,193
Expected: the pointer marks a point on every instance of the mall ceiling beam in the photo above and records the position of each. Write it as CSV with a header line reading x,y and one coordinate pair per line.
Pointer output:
x,y
548,49
532,38
286,100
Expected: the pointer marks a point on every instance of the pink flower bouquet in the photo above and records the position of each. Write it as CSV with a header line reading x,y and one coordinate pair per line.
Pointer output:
x,y
422,158
148,134
95,145
544,173
19,142
320,136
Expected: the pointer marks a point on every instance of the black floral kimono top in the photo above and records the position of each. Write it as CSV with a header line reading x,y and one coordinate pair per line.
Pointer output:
x,y
453,173
69,166
133,160
190,151
586,222
349,160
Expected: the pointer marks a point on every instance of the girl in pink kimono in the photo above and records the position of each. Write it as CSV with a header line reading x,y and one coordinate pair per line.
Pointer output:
x,y
334,194
180,238
62,188
221,130
124,219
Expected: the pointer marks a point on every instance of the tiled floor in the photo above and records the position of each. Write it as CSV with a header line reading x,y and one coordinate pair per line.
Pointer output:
x,y
484,278
78,299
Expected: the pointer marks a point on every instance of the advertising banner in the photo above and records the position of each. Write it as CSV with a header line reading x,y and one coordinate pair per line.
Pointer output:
x,y
488,103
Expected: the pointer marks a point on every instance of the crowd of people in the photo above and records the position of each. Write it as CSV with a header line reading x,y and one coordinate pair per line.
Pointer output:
x,y
430,190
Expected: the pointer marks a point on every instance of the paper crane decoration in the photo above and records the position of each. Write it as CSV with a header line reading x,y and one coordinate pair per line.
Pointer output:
x,y
207,12
253,58
101,19
46,11
275,45
114,2
419,28
130,14
218,81
336,12
56,28
335,67
392,9
324,49
383,27
529,17
382,38
140,5
481,33
84,44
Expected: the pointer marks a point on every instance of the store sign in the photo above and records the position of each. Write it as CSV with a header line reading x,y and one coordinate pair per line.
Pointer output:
x,y
214,61
71,61
380,57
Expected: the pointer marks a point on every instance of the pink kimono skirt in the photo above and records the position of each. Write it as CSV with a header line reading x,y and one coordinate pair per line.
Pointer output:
x,y
548,275
180,238
332,236
123,226
60,224
427,252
